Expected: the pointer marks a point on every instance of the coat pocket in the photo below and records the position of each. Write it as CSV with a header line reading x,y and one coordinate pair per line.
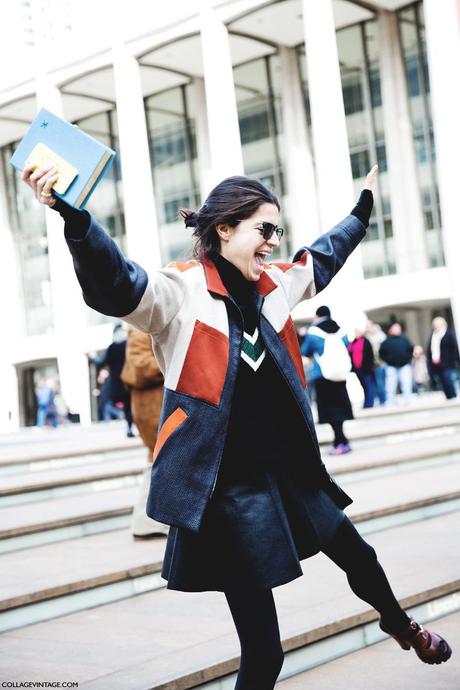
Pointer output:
x,y
169,426
205,365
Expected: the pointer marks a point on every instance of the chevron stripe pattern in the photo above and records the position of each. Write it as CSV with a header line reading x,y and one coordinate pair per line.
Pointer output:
x,y
252,350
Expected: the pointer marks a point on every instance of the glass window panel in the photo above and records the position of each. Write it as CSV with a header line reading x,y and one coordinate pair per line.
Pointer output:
x,y
412,32
359,65
171,126
359,62
27,218
258,92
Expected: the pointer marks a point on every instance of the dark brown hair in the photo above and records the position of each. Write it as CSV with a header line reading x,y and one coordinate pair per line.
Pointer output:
x,y
232,200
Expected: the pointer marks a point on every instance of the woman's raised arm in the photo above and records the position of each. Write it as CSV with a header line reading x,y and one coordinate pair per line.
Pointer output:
x,y
111,283
330,251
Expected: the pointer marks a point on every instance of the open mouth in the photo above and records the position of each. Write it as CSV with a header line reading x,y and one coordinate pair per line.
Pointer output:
x,y
260,258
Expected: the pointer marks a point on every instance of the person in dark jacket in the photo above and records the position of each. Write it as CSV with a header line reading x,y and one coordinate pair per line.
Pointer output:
x,y
332,400
396,351
253,516
362,357
114,358
443,356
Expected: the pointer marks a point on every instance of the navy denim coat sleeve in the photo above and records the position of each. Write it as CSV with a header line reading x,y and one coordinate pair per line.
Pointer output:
x,y
331,250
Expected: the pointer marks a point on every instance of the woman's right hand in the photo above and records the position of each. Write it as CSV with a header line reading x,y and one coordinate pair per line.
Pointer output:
x,y
371,178
41,182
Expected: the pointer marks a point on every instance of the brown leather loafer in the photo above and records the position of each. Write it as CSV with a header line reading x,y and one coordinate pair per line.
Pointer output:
x,y
430,647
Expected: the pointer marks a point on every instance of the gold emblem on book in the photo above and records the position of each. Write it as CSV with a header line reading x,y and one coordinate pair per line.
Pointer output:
x,y
42,155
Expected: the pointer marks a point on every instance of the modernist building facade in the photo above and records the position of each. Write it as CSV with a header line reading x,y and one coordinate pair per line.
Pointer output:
x,y
304,94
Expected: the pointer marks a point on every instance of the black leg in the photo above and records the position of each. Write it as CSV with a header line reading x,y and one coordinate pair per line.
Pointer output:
x,y
256,622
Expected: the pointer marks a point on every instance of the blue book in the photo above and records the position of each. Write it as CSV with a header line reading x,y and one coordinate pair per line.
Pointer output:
x,y
81,160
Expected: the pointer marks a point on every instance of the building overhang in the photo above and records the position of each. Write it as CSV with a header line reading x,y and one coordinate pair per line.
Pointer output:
x,y
417,289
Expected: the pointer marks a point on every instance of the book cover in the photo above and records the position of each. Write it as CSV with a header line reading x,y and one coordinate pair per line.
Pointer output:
x,y
81,160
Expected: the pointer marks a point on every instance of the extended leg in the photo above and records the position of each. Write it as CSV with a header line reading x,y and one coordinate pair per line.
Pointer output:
x,y
256,622
365,575
368,581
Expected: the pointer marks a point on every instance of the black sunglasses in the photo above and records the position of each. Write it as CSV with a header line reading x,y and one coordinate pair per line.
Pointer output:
x,y
268,229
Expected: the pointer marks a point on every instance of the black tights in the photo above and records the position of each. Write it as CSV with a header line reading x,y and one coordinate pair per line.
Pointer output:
x,y
256,621
339,436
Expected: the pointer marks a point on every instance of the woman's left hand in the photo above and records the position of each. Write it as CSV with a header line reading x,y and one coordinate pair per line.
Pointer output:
x,y
371,178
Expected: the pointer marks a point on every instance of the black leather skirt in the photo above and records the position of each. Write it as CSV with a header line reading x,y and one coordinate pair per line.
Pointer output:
x,y
255,531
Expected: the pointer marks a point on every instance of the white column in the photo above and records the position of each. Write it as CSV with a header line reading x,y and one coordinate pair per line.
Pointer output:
x,y
298,161
224,131
406,205
202,138
424,322
413,332
332,158
442,27
138,193
68,305
12,311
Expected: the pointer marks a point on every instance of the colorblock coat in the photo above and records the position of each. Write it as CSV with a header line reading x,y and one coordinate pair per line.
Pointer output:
x,y
196,329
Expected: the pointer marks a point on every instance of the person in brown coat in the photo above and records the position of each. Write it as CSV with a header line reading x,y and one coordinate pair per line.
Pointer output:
x,y
142,376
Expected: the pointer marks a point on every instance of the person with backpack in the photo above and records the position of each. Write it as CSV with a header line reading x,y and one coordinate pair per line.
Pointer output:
x,y
326,345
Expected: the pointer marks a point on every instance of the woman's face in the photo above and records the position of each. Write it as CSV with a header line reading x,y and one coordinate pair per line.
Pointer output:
x,y
245,247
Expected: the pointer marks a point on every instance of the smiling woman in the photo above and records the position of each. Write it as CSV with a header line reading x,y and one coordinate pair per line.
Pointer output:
x,y
238,473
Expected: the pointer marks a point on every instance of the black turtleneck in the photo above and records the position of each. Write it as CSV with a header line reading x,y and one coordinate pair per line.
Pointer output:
x,y
243,291
265,421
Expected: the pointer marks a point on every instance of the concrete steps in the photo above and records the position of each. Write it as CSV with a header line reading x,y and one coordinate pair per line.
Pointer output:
x,y
45,484
103,473
373,429
435,489
390,454
169,640
21,520
91,565
425,401
61,449
369,426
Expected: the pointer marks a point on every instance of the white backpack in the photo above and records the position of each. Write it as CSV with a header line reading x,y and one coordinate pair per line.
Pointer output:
x,y
335,362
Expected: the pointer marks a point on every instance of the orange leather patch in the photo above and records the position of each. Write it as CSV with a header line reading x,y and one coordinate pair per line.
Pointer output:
x,y
290,341
265,284
170,424
205,365
182,266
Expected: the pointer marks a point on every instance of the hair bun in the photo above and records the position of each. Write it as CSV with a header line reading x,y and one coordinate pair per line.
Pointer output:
x,y
190,217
